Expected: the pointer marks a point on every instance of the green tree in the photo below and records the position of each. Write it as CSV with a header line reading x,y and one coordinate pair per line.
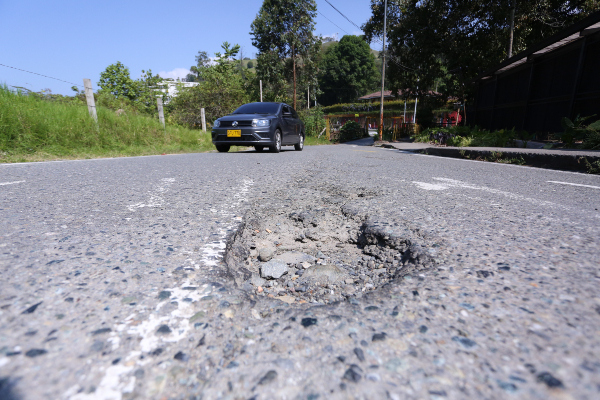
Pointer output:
x,y
115,79
347,71
221,90
450,42
202,61
284,30
147,91
118,90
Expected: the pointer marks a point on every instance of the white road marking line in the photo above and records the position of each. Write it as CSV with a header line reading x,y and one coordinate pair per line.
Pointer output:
x,y
430,186
213,251
493,163
446,183
10,183
574,184
155,199
115,382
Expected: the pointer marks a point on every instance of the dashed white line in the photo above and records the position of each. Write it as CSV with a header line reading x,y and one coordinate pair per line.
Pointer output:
x,y
574,184
10,183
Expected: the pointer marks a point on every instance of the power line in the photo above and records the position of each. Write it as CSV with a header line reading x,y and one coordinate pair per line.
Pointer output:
x,y
391,57
327,1
332,22
45,76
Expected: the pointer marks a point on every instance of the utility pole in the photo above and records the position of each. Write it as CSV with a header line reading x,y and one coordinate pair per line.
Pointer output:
x,y
382,73
261,90
512,30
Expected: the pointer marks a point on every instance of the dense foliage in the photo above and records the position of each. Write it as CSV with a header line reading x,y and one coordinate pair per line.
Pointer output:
x,y
202,61
116,83
288,51
350,131
446,43
221,90
347,71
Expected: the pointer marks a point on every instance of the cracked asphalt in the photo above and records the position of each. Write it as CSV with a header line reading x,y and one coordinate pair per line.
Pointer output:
x,y
137,278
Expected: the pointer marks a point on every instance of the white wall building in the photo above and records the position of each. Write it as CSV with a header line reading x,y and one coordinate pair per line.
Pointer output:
x,y
171,87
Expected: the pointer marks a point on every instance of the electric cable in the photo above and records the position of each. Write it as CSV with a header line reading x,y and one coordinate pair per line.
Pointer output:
x,y
391,57
35,73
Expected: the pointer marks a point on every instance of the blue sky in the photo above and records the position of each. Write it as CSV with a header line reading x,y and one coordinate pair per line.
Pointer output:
x,y
75,39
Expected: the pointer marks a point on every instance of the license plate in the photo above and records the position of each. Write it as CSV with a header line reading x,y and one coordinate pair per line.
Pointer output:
x,y
234,133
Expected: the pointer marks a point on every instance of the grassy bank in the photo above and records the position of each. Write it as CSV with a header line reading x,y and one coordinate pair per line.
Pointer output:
x,y
35,129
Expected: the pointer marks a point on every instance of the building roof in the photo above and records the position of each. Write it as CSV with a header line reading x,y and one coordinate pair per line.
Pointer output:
x,y
585,27
387,94
377,95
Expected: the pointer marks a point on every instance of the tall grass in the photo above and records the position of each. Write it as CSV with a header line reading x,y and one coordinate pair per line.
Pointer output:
x,y
33,128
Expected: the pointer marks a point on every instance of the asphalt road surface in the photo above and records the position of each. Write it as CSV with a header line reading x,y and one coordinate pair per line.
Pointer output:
x,y
406,277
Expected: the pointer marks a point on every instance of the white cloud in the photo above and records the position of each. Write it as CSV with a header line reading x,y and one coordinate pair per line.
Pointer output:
x,y
176,73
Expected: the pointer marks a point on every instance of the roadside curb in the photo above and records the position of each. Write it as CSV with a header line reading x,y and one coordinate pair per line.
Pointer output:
x,y
567,162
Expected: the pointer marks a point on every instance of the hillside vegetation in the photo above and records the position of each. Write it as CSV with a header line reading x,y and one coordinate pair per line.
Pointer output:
x,y
36,128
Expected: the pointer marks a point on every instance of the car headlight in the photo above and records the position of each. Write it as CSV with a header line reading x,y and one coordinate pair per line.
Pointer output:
x,y
217,124
261,122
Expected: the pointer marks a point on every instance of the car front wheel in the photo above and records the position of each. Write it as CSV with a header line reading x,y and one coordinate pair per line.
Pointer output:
x,y
300,145
276,148
222,148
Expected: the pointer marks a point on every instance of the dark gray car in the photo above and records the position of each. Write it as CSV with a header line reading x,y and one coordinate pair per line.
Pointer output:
x,y
260,125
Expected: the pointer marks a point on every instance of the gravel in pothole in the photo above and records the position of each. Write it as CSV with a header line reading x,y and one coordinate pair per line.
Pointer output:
x,y
322,254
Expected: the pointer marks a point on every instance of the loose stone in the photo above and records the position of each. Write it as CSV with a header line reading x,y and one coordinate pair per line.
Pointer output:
x,y
268,378
100,331
265,254
379,337
306,322
352,374
32,308
549,380
359,353
465,342
181,356
165,294
164,329
273,269
35,352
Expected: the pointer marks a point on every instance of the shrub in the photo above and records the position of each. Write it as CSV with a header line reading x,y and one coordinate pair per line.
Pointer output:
x,y
350,131
576,130
313,119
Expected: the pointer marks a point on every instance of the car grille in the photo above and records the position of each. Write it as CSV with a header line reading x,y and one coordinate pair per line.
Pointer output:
x,y
227,124
244,138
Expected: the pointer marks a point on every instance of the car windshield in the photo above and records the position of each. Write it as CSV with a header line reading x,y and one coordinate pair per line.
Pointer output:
x,y
258,108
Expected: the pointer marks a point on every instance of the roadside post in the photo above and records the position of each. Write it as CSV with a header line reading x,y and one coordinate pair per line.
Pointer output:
x,y
260,82
161,114
203,115
89,98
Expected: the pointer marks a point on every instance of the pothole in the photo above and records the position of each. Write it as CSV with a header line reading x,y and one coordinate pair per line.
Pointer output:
x,y
322,253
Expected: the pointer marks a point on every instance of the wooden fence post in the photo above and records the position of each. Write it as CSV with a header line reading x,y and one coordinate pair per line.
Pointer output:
x,y
89,97
203,119
161,114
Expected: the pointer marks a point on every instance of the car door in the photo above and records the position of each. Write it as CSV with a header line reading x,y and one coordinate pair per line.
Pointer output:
x,y
297,127
287,128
